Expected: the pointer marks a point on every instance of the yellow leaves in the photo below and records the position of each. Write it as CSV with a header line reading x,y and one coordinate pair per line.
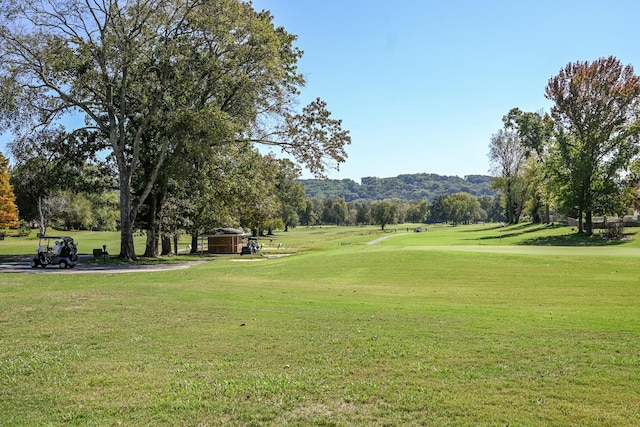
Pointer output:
x,y
8,208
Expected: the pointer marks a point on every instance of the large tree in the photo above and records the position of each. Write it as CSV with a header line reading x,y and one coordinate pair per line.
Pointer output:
x,y
149,74
596,107
535,132
462,208
290,193
383,213
507,156
335,211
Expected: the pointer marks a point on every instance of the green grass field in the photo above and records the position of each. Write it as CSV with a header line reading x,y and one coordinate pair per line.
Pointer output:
x,y
457,326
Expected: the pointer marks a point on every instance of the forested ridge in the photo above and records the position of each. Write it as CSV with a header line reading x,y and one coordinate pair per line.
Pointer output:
x,y
418,186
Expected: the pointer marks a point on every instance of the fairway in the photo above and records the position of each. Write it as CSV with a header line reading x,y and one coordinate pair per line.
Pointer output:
x,y
457,326
538,250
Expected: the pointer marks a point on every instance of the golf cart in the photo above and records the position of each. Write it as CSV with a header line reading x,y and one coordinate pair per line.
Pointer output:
x,y
64,252
251,246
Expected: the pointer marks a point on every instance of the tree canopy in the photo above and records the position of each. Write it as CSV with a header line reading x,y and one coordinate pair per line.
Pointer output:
x,y
508,155
384,213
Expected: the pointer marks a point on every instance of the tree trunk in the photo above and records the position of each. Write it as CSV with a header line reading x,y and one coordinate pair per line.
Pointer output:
x,y
580,230
176,237
151,248
194,243
536,215
517,211
43,223
127,219
153,230
547,214
589,223
166,245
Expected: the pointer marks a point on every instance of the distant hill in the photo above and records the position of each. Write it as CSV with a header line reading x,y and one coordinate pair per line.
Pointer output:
x,y
408,187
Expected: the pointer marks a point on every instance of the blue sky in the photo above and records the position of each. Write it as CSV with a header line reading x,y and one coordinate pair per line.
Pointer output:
x,y
422,85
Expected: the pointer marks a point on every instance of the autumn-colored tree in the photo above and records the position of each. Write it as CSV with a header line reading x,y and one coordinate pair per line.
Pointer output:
x,y
8,208
596,106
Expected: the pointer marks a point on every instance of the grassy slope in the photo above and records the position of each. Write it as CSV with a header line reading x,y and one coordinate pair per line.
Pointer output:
x,y
407,331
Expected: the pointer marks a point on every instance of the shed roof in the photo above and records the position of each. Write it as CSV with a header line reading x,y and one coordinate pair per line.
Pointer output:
x,y
228,232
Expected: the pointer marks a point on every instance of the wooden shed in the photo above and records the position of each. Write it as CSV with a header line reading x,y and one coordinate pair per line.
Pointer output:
x,y
225,241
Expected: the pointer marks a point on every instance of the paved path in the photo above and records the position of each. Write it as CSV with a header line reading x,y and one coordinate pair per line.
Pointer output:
x,y
380,239
24,266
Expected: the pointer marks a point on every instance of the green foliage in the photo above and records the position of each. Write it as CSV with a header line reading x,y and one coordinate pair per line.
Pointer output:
x,y
335,211
384,213
106,211
491,209
290,194
404,187
462,208
418,212
312,212
24,230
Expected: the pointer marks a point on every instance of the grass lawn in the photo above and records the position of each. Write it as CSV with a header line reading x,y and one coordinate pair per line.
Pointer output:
x,y
457,326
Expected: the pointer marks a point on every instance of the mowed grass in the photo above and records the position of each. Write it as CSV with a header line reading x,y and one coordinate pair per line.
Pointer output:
x,y
86,241
472,325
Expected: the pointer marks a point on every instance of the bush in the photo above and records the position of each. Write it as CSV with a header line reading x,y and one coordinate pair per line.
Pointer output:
x,y
614,230
24,230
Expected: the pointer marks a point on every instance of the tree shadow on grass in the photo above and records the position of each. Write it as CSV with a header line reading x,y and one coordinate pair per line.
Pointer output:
x,y
513,229
573,239
516,230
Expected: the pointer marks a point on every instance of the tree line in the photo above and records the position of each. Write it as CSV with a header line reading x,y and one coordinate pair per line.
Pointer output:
x,y
457,208
420,186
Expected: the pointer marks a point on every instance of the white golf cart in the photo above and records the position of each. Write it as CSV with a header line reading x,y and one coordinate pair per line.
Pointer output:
x,y
64,252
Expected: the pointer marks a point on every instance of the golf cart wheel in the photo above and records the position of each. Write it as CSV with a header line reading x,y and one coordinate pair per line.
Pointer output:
x,y
62,264
34,262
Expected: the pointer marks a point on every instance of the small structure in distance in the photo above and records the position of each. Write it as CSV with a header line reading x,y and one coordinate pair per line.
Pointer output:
x,y
225,241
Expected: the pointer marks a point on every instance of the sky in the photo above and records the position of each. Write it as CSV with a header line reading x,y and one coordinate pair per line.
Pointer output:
x,y
422,84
